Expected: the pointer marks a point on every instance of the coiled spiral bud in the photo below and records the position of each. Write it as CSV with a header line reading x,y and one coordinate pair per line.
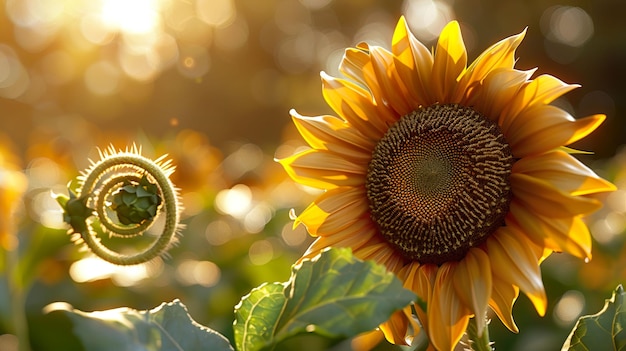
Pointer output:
x,y
121,195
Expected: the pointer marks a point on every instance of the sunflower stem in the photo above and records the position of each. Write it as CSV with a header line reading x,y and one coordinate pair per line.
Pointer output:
x,y
17,288
421,342
478,342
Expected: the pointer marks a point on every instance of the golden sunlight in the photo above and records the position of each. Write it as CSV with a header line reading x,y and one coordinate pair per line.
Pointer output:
x,y
133,17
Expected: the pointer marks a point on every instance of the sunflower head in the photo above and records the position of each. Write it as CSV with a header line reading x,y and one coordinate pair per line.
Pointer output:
x,y
456,176
438,182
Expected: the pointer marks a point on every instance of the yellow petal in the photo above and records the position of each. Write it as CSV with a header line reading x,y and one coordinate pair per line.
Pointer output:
x,y
496,91
514,261
563,172
450,61
472,283
447,315
322,169
334,211
392,92
414,63
503,297
569,235
401,45
366,341
500,55
373,68
395,329
420,279
376,250
541,197
546,127
361,233
541,90
355,105
353,63
333,134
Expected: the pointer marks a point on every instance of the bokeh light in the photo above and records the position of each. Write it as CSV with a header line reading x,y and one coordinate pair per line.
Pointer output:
x,y
567,25
90,269
236,201
205,273
566,29
14,79
293,236
427,17
569,308
217,13
102,78
218,232
261,252
9,342
131,17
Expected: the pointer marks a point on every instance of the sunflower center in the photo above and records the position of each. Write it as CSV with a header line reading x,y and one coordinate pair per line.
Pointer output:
x,y
438,182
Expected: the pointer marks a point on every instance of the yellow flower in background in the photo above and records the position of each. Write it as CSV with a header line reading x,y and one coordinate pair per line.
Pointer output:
x,y
455,177
12,186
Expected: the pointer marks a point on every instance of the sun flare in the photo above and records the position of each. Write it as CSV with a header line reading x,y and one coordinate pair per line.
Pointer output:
x,y
132,17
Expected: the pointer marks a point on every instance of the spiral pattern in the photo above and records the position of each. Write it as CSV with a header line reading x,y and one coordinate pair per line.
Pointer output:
x,y
124,192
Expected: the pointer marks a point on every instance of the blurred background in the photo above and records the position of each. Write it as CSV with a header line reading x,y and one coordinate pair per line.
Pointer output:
x,y
210,82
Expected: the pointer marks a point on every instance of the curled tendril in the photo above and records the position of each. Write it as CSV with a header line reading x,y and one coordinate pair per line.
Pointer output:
x,y
124,192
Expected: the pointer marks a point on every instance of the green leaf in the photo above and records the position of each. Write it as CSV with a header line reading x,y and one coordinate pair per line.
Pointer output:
x,y
257,314
164,328
335,295
603,330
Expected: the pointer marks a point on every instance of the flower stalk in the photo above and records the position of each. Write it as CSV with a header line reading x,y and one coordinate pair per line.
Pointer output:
x,y
13,185
17,292
478,342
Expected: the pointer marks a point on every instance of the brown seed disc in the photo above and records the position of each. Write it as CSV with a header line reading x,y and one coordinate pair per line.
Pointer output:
x,y
438,182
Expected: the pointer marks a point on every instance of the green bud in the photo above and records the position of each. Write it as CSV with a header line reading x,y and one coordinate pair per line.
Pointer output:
x,y
135,203
75,211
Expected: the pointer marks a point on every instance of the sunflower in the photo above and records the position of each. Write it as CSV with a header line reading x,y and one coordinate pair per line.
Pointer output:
x,y
457,178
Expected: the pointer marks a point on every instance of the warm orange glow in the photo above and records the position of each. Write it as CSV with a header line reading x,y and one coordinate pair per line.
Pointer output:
x,y
134,17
